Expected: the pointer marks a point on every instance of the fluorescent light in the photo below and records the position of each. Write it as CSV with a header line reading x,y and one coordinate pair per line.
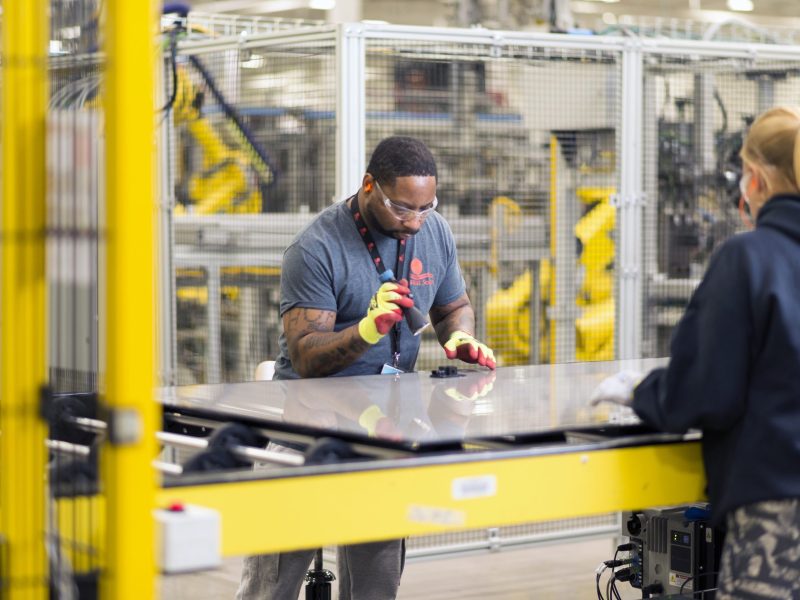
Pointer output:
x,y
740,5
322,4
592,7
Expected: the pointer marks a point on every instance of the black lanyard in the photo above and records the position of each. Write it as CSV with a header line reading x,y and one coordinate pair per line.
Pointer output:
x,y
372,248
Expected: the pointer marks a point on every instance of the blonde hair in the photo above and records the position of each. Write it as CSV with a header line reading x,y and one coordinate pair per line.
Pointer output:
x,y
774,141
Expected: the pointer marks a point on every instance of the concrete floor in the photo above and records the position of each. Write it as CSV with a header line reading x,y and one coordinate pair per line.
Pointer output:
x,y
545,572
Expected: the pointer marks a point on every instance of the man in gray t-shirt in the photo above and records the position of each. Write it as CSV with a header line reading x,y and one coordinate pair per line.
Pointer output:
x,y
341,318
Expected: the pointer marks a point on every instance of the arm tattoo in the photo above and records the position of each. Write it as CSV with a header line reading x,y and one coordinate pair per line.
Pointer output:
x,y
314,348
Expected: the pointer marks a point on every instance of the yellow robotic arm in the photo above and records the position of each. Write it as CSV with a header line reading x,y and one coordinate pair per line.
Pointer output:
x,y
226,181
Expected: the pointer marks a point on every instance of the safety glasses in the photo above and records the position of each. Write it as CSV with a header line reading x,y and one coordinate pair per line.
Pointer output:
x,y
406,214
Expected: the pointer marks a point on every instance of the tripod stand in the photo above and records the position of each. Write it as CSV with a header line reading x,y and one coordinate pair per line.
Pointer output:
x,y
318,580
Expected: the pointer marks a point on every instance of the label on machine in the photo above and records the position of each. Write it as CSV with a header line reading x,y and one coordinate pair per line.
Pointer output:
x,y
679,580
481,486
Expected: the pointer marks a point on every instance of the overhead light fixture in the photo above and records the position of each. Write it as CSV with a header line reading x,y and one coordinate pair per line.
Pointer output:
x,y
740,5
256,7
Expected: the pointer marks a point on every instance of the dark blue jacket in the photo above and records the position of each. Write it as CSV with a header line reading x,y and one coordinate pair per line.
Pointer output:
x,y
734,370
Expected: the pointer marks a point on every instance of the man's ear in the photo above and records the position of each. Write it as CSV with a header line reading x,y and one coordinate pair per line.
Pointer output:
x,y
366,183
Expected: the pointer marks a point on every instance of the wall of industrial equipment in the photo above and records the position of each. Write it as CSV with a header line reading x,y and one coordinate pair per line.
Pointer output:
x,y
556,154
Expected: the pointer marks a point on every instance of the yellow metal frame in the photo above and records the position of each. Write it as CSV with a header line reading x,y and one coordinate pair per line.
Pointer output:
x,y
311,511
553,228
128,479
307,511
81,523
22,450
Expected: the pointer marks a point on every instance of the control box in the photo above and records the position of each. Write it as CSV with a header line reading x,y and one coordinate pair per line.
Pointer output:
x,y
676,551
189,538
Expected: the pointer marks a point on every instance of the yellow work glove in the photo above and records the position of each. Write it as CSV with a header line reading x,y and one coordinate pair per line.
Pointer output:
x,y
384,310
463,346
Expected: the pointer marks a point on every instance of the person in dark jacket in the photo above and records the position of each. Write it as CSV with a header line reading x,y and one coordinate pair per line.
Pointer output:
x,y
734,373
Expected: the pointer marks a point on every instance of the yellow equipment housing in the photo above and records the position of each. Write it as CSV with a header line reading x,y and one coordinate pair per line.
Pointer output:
x,y
227,182
508,310
594,328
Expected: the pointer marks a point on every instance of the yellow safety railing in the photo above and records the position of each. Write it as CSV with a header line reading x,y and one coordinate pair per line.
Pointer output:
x,y
23,558
128,479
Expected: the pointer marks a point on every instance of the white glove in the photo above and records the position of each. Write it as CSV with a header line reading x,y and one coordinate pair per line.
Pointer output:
x,y
617,389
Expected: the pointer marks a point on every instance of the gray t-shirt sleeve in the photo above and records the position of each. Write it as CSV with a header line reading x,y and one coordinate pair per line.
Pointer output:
x,y
306,282
452,286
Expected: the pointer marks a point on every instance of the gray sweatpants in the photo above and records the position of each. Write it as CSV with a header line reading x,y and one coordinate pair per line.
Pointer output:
x,y
761,555
365,572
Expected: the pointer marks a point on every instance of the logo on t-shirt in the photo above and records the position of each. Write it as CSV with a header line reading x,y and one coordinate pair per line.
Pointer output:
x,y
417,276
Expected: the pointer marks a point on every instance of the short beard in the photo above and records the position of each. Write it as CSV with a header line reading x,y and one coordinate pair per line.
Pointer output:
x,y
375,224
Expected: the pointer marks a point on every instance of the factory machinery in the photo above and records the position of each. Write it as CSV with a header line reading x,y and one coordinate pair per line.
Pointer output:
x,y
672,551
502,163
438,451
540,159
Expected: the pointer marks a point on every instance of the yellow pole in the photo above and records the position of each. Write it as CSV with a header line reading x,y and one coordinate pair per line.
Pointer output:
x,y
22,316
552,339
553,240
128,479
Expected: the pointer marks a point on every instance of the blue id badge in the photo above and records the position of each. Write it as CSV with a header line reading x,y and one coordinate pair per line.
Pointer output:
x,y
390,370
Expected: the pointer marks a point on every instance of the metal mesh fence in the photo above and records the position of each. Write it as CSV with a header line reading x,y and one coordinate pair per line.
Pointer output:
x,y
75,200
74,164
221,24
525,141
526,169
253,158
726,30
697,111
502,537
